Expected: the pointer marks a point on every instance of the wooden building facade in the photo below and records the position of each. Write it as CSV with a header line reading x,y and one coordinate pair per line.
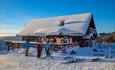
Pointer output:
x,y
72,28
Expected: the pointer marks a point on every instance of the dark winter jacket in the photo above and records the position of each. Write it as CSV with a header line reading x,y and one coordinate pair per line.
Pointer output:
x,y
39,47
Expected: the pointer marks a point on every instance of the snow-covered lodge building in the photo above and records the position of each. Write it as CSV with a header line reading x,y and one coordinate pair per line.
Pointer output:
x,y
78,27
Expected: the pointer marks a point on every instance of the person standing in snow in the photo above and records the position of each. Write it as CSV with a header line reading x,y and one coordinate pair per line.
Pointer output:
x,y
54,42
27,47
39,49
74,44
62,46
47,48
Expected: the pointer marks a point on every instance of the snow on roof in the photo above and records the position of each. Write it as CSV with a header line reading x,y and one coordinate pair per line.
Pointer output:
x,y
77,23
88,36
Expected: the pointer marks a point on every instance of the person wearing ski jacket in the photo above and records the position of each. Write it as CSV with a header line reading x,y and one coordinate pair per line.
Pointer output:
x,y
47,48
27,47
39,49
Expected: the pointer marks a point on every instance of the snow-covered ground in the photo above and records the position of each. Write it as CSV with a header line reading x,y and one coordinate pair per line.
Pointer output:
x,y
15,60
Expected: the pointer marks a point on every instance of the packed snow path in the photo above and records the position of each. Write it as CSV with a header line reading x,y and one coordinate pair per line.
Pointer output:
x,y
15,60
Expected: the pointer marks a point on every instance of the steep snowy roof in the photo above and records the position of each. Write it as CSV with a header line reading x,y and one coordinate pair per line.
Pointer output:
x,y
77,24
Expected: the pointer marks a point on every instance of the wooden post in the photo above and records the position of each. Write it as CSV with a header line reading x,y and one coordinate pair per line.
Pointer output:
x,y
8,48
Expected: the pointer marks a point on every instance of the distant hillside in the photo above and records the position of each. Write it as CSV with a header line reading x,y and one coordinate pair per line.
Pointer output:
x,y
107,37
2,39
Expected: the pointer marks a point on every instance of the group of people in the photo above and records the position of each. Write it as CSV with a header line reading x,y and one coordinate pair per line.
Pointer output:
x,y
39,48
46,46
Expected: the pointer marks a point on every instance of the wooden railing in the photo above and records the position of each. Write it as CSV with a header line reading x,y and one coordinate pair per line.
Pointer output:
x,y
20,44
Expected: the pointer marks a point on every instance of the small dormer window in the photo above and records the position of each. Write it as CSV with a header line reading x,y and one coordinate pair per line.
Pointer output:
x,y
62,23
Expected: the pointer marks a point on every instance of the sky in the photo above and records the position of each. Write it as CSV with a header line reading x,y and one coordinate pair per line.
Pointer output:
x,y
15,14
